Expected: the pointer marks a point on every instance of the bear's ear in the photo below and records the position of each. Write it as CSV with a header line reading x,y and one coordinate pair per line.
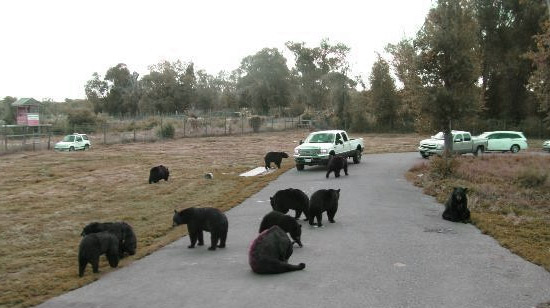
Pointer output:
x,y
175,211
338,190
465,189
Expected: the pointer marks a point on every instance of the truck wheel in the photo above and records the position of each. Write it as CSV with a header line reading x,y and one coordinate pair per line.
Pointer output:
x,y
299,167
71,149
357,157
424,156
514,148
478,151
86,147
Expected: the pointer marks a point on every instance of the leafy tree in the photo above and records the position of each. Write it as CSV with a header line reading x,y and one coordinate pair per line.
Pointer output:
x,y
383,93
540,79
96,91
506,28
7,112
449,64
264,81
207,91
123,90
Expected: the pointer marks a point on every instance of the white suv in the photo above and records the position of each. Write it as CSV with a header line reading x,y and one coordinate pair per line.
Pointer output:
x,y
73,142
505,141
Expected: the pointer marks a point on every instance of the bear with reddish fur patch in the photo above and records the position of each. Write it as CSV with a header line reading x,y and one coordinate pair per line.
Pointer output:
x,y
270,251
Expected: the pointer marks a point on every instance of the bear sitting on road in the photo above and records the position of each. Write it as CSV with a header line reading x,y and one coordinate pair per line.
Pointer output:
x,y
456,207
291,198
287,223
274,157
158,173
92,246
321,201
203,219
270,251
336,163
127,241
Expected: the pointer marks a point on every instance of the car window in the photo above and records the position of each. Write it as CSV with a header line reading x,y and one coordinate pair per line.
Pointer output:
x,y
78,139
338,137
85,137
69,138
320,138
345,136
458,138
467,137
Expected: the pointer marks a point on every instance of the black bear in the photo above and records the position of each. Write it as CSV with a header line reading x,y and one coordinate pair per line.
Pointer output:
x,y
291,198
321,201
456,208
158,173
270,251
337,163
127,241
274,157
203,219
287,223
92,246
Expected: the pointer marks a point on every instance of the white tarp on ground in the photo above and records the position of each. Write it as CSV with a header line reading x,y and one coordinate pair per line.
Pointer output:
x,y
257,171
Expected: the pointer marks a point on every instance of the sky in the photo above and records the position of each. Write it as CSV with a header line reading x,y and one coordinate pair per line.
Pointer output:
x,y
50,49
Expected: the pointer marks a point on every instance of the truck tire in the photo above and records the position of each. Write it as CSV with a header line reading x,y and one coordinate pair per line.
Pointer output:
x,y
424,156
357,156
299,167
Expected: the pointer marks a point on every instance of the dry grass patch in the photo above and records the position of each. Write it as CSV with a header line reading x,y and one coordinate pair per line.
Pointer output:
x,y
46,198
509,198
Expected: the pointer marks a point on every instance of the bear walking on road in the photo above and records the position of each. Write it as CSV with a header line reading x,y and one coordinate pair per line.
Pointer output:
x,y
274,157
203,219
285,222
323,200
270,251
456,207
94,245
127,240
337,163
158,173
293,199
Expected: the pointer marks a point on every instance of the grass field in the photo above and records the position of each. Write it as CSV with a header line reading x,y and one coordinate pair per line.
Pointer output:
x,y
46,198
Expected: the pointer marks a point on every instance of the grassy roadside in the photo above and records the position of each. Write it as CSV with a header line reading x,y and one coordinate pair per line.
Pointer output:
x,y
46,198
509,196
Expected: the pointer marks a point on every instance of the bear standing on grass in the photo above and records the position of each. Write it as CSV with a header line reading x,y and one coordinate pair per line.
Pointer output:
x,y
291,198
285,222
203,219
274,157
456,208
127,241
270,251
92,246
336,163
158,173
323,200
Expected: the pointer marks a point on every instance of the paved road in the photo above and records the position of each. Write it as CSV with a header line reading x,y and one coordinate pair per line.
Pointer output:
x,y
388,248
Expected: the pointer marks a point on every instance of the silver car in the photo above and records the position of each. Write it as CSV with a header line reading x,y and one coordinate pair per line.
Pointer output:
x,y
504,141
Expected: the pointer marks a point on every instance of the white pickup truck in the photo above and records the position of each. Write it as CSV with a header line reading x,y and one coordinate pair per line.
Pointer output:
x,y
463,142
317,147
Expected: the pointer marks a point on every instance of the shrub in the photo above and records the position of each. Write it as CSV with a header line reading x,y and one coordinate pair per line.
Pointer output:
x,y
255,122
166,131
532,178
81,117
443,168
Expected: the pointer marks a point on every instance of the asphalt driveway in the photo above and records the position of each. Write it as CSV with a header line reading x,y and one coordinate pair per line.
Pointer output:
x,y
389,247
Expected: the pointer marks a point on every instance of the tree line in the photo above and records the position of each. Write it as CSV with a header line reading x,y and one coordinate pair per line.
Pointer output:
x,y
471,61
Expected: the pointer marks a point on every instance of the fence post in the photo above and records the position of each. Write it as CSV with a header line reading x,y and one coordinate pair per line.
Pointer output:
x,y
49,137
224,126
5,138
242,125
272,118
134,135
104,133
184,124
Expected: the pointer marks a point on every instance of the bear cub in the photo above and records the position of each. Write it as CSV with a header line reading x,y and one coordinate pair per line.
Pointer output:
x,y
293,199
127,240
285,222
274,157
270,251
337,163
456,207
92,246
203,219
323,200
158,173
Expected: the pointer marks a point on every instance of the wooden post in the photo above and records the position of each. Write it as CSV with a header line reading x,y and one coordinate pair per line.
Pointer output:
x,y
49,137
242,125
134,135
104,133
184,124
225,125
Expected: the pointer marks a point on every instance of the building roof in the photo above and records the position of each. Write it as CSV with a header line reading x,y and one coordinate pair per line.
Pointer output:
x,y
25,102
